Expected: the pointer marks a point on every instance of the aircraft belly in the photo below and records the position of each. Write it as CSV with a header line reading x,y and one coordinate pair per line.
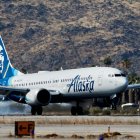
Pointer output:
x,y
87,95
70,97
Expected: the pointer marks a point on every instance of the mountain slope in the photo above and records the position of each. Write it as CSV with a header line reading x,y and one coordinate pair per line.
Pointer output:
x,y
47,35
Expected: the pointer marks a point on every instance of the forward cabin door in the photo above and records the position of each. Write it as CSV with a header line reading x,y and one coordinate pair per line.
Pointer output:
x,y
99,80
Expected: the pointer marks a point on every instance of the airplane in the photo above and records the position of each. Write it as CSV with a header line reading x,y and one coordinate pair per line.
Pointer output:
x,y
62,86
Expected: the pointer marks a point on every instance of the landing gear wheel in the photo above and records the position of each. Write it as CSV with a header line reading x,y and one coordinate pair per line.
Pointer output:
x,y
114,103
73,111
79,110
39,110
76,110
36,109
113,107
33,110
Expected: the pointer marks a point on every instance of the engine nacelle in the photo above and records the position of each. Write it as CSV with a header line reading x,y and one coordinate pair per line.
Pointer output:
x,y
38,97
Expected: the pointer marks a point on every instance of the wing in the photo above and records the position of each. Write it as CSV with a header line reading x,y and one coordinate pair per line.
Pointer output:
x,y
7,92
22,90
25,95
133,86
10,89
20,94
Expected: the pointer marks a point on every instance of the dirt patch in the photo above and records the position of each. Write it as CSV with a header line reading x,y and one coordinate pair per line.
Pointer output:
x,y
111,135
129,137
51,136
77,137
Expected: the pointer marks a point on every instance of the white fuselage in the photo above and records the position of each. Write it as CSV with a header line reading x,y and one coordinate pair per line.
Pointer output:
x,y
94,81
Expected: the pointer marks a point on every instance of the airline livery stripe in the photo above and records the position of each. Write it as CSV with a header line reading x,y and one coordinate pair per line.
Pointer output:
x,y
6,70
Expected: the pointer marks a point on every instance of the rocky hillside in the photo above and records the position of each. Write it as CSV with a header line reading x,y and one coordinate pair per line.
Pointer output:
x,y
49,34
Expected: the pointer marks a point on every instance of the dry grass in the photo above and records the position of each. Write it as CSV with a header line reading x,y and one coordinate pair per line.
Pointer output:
x,y
110,136
51,136
91,136
88,120
129,137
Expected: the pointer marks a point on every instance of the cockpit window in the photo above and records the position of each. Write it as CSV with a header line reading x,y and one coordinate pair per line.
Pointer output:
x,y
117,75
123,75
120,75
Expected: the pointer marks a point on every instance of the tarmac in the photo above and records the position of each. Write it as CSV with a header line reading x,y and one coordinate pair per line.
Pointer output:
x,y
74,127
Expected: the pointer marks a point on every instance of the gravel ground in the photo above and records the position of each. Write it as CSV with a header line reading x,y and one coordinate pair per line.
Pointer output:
x,y
81,127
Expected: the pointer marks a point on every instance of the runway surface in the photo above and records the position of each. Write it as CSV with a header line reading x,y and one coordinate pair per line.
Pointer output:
x,y
70,127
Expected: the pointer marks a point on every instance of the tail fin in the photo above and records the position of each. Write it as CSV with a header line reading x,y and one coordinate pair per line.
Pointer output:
x,y
6,69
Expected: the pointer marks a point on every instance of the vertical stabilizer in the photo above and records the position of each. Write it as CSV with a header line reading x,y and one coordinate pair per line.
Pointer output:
x,y
6,69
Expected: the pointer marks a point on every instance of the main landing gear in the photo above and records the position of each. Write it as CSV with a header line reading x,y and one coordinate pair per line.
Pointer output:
x,y
36,110
76,110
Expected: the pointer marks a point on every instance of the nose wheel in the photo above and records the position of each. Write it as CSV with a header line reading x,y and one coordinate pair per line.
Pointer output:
x,y
114,103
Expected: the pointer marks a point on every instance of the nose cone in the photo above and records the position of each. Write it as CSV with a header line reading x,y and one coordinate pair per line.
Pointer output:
x,y
123,83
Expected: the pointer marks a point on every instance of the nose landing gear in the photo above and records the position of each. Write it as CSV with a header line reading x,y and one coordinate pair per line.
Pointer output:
x,y
114,103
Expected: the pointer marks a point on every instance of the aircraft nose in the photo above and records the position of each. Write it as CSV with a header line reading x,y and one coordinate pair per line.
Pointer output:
x,y
124,82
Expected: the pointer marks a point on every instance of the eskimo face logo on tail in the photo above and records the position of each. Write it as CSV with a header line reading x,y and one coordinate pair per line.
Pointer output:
x,y
1,59
78,85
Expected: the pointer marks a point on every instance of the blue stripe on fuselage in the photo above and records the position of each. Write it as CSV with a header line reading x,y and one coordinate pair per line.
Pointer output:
x,y
6,82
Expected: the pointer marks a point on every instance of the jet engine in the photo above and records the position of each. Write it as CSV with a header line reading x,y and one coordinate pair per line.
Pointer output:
x,y
38,97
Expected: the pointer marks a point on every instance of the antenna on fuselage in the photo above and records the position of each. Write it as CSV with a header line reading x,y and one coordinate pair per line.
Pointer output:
x,y
61,68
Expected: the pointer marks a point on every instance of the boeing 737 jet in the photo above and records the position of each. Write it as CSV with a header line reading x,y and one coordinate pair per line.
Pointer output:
x,y
64,86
